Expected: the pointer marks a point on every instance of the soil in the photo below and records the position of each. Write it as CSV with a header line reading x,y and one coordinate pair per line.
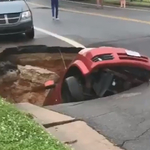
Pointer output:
x,y
24,80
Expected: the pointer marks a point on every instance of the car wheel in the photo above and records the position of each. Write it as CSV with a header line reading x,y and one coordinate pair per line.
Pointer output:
x,y
72,91
30,33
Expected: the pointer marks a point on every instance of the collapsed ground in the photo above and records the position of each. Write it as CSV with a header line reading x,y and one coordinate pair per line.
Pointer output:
x,y
22,76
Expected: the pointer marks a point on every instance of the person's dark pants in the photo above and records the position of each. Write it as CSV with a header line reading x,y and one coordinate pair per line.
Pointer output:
x,y
54,4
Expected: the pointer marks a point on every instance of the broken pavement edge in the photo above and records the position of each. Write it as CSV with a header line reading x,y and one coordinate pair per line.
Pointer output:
x,y
69,130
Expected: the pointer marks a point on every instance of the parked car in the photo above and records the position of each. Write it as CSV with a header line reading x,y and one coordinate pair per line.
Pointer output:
x,y
99,72
16,18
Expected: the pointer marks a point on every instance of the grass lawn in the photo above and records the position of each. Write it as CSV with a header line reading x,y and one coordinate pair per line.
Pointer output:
x,y
138,3
19,132
133,3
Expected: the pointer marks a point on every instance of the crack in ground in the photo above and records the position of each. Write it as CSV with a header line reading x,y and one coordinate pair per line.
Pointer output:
x,y
77,104
99,115
141,121
124,142
49,125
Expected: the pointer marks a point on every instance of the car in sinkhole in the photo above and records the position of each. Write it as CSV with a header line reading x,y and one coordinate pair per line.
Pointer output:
x,y
97,73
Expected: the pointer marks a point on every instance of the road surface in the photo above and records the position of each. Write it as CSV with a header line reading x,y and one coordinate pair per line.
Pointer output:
x,y
125,118
97,27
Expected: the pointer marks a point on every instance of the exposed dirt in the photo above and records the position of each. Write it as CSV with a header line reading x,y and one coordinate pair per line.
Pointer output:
x,y
52,62
22,76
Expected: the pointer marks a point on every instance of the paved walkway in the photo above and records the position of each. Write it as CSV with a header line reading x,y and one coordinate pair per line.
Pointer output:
x,y
69,130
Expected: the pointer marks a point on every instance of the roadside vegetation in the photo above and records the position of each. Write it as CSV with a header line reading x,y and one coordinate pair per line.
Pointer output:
x,y
20,132
137,3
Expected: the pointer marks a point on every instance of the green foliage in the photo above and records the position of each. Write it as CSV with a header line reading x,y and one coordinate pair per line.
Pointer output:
x,y
139,2
19,132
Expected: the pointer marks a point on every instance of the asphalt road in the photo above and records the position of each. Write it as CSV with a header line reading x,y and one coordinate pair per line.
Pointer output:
x,y
99,28
123,119
96,27
41,38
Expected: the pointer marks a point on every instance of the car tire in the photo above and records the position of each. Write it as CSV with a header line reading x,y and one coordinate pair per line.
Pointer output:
x,y
30,34
72,91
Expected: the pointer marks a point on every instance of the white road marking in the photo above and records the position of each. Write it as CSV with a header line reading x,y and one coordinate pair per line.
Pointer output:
x,y
67,40
72,42
98,14
115,7
126,95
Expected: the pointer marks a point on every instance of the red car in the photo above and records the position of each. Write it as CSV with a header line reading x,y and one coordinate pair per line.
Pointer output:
x,y
99,72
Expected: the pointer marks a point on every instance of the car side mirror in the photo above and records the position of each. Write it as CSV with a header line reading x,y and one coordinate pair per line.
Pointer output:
x,y
49,84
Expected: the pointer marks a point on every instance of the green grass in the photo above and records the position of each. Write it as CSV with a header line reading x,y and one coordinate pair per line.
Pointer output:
x,y
138,3
134,3
20,132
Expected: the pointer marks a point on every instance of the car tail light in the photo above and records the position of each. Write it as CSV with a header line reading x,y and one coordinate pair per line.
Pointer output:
x,y
102,57
124,56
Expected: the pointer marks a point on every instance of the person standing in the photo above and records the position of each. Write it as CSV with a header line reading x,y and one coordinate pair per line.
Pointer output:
x,y
123,3
100,3
54,6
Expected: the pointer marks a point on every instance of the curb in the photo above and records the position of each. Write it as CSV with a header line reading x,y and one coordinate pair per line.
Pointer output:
x,y
81,137
44,116
75,133
107,4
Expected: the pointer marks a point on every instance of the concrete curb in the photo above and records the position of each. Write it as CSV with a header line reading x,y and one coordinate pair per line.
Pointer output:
x,y
75,133
44,116
81,137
